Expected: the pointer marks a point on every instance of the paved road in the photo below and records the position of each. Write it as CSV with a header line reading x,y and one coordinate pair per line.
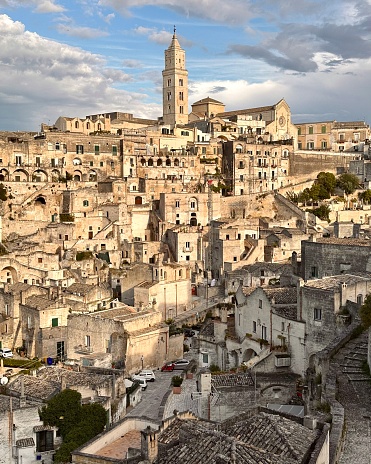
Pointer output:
x,y
154,397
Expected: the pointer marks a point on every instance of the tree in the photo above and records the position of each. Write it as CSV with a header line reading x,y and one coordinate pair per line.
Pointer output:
x,y
348,182
327,181
322,212
77,424
365,196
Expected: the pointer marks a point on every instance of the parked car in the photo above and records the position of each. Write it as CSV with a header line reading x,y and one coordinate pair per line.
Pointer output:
x,y
6,353
181,364
141,380
167,367
189,333
147,374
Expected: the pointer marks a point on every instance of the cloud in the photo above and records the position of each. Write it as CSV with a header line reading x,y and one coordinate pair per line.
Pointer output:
x,y
132,64
42,79
159,37
80,31
235,12
48,6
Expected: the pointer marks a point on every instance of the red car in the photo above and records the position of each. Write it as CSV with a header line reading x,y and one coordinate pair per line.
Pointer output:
x,y
168,367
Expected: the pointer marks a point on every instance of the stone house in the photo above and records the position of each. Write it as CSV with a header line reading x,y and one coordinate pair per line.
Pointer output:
x,y
188,208
259,435
321,257
185,244
280,244
132,338
323,305
43,327
88,297
168,292
23,437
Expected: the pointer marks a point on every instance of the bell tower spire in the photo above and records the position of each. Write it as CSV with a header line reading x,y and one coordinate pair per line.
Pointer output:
x,y
175,85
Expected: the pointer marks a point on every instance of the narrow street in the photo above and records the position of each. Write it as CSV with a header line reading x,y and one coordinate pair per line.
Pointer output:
x,y
354,393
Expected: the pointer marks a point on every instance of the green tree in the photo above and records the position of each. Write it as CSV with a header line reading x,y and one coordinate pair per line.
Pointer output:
x,y
77,424
365,196
348,182
62,411
322,212
327,181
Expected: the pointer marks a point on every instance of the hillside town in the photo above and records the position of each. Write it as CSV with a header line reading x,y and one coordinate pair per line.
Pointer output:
x,y
199,277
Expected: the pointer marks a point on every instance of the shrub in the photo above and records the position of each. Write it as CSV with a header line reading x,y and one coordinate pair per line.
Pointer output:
x,y
214,368
176,381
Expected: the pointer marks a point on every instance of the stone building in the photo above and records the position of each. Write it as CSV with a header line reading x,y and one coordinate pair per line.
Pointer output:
x,y
333,135
122,335
324,304
321,257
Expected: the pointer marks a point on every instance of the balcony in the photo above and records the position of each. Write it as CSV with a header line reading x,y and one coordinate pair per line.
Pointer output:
x,y
188,249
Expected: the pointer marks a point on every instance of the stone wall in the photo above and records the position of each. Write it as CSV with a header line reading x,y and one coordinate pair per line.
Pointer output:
x,y
308,162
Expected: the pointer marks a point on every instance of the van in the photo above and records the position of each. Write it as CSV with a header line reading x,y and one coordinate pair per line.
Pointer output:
x,y
142,381
147,374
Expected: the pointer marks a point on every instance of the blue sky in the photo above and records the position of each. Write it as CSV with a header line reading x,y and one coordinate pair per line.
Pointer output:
x,y
77,57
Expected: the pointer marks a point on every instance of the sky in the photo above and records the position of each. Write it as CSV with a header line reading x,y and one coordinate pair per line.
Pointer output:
x,y
79,57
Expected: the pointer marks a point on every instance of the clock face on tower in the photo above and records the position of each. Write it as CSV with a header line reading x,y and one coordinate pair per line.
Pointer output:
x,y
281,121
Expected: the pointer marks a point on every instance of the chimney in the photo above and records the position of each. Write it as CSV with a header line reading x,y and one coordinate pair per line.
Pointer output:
x,y
149,444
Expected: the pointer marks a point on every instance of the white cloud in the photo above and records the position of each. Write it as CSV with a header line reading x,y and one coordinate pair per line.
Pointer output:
x,y
42,79
48,6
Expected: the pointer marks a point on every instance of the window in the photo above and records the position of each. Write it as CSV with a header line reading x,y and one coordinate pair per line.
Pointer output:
x,y
44,441
85,203
188,245
205,358
323,144
181,96
39,260
317,314
240,165
323,129
360,299
114,150
203,150
7,309
282,326
96,149
260,303
79,149
264,332
169,96
101,164
177,204
181,109
87,340
188,258
18,160
310,145
169,82
310,130
254,326
54,322
57,146
314,271
235,258
193,204
181,82
227,237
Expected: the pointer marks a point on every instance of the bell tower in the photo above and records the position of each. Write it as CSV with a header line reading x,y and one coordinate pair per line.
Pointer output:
x,y
175,85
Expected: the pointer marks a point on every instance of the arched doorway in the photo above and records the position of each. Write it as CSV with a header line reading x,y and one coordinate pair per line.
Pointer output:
x,y
40,200
138,200
248,354
77,176
9,275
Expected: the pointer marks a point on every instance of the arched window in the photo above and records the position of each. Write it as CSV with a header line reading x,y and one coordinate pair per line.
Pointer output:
x,y
159,162
76,124
88,125
168,162
176,162
99,126
143,162
150,162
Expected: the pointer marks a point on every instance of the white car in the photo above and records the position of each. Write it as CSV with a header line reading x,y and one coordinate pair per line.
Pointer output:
x,y
147,374
6,353
141,380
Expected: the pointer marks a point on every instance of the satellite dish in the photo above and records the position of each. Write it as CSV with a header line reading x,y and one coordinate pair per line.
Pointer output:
x,y
4,380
